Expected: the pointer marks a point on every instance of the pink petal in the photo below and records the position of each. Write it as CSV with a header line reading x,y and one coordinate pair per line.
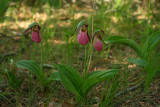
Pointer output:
x,y
82,37
36,36
98,45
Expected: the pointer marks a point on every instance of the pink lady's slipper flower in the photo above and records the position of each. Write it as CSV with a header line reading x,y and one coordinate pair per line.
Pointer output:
x,y
83,37
36,36
82,29
98,42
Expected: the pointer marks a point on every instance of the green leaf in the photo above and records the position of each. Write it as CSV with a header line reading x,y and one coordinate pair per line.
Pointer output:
x,y
3,6
122,40
82,23
98,31
29,65
73,82
33,24
139,62
95,77
54,76
34,69
71,79
117,3
153,41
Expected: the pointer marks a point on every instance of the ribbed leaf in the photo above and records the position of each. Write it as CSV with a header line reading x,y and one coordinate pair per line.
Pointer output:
x,y
122,40
29,65
34,69
153,41
83,22
71,79
139,62
54,76
95,77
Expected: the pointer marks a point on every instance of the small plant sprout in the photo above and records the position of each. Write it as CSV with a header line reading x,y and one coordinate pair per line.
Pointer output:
x,y
97,40
36,36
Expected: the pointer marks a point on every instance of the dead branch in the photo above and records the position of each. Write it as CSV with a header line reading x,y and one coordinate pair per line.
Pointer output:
x,y
48,66
4,35
2,57
130,89
3,85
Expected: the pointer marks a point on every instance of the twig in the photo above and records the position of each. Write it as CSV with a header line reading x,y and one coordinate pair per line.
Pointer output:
x,y
5,55
129,89
4,35
13,53
48,66
126,91
3,85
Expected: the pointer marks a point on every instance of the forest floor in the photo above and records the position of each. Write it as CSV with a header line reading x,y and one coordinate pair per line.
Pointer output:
x,y
57,25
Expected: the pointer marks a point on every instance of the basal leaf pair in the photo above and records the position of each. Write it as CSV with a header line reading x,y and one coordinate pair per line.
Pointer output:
x,y
69,77
36,70
79,85
148,57
143,51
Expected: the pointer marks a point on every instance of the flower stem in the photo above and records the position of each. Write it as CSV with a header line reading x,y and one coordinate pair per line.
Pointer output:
x,y
90,58
41,56
85,62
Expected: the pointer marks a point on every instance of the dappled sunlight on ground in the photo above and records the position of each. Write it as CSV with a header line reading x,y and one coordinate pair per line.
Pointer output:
x,y
57,42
